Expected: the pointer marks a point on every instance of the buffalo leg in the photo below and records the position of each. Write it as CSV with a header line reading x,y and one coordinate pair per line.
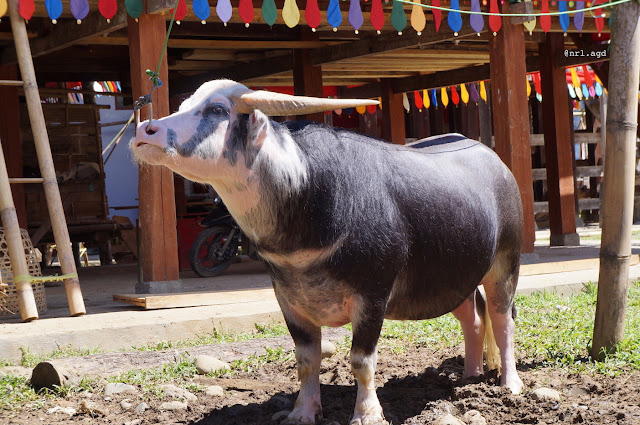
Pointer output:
x,y
473,331
364,356
500,305
307,338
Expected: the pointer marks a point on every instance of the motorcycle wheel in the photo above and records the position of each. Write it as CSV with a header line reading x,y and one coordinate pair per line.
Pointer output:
x,y
205,257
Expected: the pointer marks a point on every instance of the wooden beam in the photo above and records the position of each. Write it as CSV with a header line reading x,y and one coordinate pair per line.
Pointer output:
x,y
511,117
68,33
159,6
155,187
393,129
176,43
10,137
558,144
307,80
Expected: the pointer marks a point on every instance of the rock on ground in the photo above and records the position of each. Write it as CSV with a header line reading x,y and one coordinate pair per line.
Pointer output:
x,y
118,388
448,420
473,417
59,409
171,390
328,349
214,391
207,364
174,405
546,394
140,409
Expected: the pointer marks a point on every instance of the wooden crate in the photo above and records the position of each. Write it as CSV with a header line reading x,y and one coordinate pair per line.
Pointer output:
x,y
9,304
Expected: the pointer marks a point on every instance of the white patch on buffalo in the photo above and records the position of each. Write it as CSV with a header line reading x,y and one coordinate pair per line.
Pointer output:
x,y
308,405
368,409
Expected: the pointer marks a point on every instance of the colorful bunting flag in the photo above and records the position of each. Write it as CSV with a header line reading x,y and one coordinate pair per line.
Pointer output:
x,y
290,13
54,9
181,11
473,93
437,15
3,7
418,100
530,25
418,20
107,8
528,86
79,9
455,97
201,9
26,9
377,15
223,10
405,102
495,22
572,92
434,98
134,8
453,18
312,14
464,94
425,99
598,16
483,91
245,10
270,13
545,20
361,109
334,16
354,16
372,109
475,20
444,97
398,17
578,18
564,17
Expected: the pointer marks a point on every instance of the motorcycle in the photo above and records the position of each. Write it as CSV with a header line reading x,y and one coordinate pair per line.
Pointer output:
x,y
216,247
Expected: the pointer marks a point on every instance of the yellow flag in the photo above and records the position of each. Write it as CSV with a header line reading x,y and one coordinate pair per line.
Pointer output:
x,y
464,94
3,7
483,91
444,96
574,79
418,20
361,109
528,86
290,13
425,99
530,25
380,103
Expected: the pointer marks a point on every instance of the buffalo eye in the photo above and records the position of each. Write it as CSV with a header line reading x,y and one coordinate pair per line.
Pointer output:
x,y
215,109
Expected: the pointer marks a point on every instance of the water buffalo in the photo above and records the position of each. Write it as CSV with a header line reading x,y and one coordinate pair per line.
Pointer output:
x,y
353,229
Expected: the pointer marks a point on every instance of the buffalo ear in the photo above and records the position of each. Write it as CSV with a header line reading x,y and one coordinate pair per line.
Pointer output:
x,y
259,127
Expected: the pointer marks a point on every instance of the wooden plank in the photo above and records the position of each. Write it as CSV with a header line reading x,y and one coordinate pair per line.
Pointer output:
x,y
511,116
557,139
583,204
176,43
69,33
194,299
155,185
393,129
586,171
307,80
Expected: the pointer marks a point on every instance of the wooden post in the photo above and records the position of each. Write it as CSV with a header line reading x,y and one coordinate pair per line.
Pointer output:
x,y
10,137
558,144
392,114
43,150
511,116
26,300
307,81
159,238
619,179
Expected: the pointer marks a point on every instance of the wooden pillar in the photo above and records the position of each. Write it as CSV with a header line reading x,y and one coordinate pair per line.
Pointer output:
x,y
558,144
10,137
307,80
511,117
393,129
155,187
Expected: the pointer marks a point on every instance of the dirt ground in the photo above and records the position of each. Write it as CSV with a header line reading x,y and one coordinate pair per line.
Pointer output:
x,y
415,387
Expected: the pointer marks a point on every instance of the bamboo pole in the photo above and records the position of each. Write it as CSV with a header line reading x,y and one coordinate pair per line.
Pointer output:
x,y
26,300
619,179
52,193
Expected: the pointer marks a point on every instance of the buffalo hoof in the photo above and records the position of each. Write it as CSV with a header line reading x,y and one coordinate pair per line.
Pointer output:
x,y
299,417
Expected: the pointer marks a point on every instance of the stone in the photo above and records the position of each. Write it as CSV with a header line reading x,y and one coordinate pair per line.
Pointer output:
x,y
328,349
207,364
174,405
214,391
90,408
125,404
59,409
473,417
140,409
134,422
118,388
448,419
546,394
278,416
177,392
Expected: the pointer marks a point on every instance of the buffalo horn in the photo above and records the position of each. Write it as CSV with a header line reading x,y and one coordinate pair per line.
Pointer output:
x,y
270,103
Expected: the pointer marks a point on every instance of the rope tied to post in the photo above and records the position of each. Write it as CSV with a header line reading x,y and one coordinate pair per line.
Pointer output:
x,y
147,99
